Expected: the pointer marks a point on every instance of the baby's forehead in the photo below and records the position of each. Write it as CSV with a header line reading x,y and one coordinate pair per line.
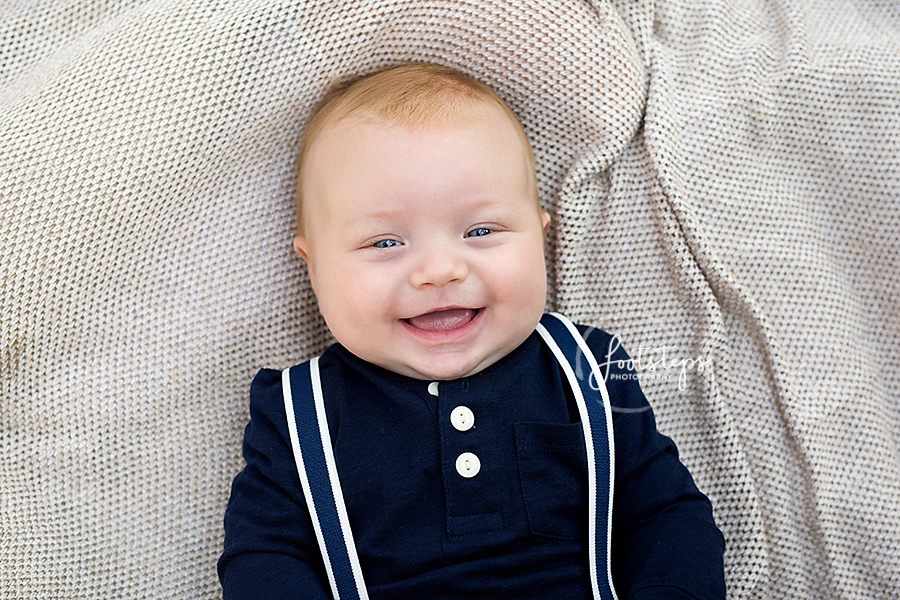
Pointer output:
x,y
480,113
344,135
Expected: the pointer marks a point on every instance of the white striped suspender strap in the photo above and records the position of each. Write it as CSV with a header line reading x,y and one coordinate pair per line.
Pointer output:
x,y
315,460
311,442
589,388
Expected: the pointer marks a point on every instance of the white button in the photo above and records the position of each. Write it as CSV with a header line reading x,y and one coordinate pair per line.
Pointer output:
x,y
462,418
468,465
432,388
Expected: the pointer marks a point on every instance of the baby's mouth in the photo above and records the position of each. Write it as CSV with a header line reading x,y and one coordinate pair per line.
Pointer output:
x,y
443,320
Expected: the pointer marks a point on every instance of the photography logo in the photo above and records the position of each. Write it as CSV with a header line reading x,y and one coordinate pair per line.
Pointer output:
x,y
648,364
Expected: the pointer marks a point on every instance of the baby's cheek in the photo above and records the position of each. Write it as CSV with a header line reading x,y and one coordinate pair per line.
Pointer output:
x,y
366,296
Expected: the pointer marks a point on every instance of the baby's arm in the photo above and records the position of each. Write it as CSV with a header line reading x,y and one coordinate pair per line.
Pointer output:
x,y
270,547
665,541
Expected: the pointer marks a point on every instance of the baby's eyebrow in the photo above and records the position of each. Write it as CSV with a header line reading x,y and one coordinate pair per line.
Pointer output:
x,y
373,213
374,216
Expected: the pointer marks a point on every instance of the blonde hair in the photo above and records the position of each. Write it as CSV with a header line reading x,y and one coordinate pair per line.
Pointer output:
x,y
413,95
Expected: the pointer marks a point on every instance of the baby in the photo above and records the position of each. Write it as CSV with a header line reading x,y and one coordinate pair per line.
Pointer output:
x,y
456,431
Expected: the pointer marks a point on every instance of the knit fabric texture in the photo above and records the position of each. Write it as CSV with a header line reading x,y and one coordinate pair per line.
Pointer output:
x,y
724,182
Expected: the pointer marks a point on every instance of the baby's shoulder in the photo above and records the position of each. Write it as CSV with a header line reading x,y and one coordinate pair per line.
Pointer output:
x,y
605,346
266,391
266,397
266,378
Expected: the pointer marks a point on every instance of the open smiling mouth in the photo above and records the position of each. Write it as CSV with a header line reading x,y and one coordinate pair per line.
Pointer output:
x,y
444,320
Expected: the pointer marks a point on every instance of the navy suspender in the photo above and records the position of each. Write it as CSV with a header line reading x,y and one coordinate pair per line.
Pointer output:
x,y
313,454
311,442
589,388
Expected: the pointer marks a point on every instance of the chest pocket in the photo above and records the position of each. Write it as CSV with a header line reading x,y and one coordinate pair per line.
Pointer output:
x,y
553,474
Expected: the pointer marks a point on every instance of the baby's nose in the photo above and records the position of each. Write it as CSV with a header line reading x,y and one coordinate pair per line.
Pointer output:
x,y
439,268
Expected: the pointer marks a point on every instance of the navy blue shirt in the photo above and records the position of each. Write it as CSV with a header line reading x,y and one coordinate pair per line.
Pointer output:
x,y
517,529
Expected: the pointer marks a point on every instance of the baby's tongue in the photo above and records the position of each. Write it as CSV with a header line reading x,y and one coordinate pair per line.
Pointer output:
x,y
443,320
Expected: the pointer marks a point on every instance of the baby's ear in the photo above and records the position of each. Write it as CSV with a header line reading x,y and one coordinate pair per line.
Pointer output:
x,y
545,224
301,245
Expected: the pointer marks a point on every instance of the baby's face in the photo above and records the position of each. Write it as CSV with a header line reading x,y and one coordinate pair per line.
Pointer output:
x,y
424,246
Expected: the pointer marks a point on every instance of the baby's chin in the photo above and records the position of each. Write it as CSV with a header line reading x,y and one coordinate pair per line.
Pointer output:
x,y
439,370
439,373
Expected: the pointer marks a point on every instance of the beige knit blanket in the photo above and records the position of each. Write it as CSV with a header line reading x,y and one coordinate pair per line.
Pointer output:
x,y
724,179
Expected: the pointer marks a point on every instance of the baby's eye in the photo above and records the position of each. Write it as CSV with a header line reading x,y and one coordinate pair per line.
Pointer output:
x,y
386,244
479,232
